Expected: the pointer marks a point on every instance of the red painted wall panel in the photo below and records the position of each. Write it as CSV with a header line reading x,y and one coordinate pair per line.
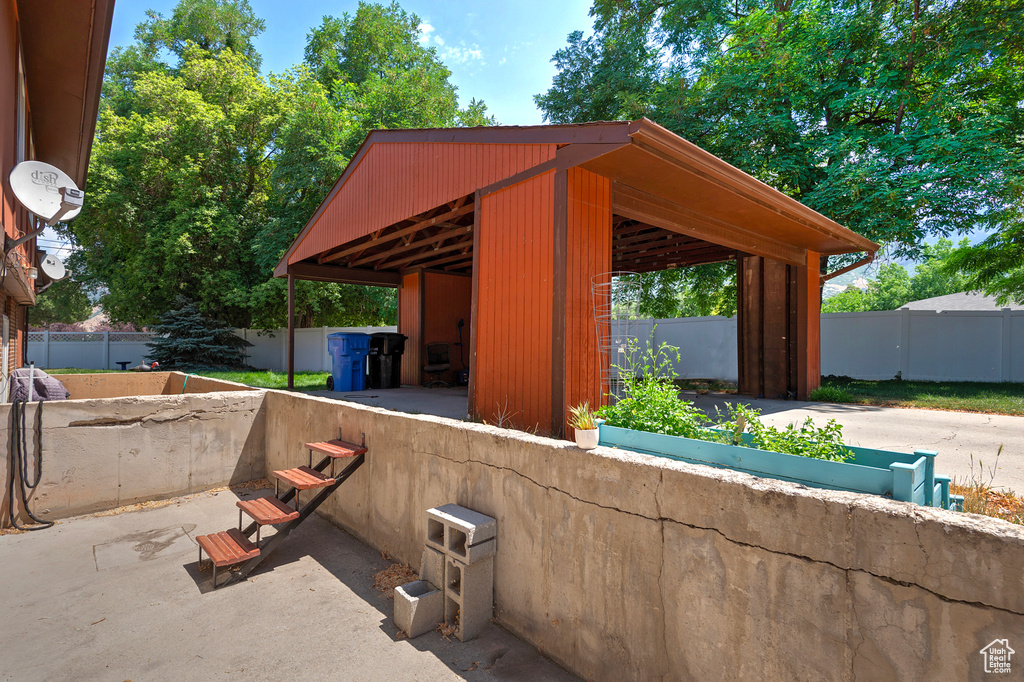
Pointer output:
x,y
448,300
514,305
395,180
588,253
409,323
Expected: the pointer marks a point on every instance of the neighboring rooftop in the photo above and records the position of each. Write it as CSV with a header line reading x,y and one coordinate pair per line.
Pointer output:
x,y
965,300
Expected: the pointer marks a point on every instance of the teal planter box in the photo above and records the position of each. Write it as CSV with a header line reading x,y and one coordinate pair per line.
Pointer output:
x,y
910,478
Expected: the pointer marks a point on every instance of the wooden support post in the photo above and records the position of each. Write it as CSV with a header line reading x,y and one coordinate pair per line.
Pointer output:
x,y
808,321
291,331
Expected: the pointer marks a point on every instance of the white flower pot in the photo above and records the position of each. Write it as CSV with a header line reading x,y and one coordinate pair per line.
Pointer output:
x,y
587,438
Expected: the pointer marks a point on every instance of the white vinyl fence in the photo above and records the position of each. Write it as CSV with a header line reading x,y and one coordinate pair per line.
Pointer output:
x,y
103,350
914,344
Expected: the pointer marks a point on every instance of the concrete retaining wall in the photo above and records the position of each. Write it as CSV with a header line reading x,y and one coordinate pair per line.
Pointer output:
x,y
131,384
623,566
104,453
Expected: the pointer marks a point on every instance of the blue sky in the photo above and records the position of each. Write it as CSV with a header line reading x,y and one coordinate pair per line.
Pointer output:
x,y
499,52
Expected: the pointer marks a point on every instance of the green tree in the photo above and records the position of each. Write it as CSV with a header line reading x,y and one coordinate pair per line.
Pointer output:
x,y
899,120
374,67
697,291
849,300
995,265
211,25
178,190
63,301
932,276
890,289
203,171
187,339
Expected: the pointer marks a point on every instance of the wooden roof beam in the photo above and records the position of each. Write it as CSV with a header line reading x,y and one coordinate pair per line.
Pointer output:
x,y
333,273
418,224
424,254
437,238
639,205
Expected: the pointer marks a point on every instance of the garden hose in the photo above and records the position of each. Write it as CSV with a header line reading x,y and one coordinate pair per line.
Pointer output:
x,y
18,448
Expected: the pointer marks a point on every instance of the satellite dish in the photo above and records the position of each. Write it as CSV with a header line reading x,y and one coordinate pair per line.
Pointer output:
x,y
53,268
46,191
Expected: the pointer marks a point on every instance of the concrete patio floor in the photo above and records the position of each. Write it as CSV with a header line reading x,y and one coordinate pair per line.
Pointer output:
x,y
120,597
440,402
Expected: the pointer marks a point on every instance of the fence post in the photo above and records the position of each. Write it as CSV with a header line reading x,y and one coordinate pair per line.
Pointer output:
x,y
904,343
106,350
323,349
46,349
1004,374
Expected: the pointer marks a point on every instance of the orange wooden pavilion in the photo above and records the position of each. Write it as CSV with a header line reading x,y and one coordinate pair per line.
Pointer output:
x,y
504,227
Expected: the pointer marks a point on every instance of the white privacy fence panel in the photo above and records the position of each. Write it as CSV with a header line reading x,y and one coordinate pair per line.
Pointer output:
x,y
924,345
861,345
87,350
103,350
914,344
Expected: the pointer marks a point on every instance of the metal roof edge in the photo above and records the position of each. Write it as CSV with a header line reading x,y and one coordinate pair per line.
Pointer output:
x,y
647,132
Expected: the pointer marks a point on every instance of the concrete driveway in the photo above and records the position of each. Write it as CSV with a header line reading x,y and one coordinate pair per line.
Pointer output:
x,y
956,436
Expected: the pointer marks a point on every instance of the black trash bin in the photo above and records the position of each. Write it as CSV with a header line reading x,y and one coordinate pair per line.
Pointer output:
x,y
386,349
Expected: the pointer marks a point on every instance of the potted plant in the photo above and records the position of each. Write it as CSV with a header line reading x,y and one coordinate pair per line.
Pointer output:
x,y
584,421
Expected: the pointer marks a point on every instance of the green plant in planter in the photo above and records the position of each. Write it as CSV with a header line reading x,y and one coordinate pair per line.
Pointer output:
x,y
806,440
582,417
650,400
651,403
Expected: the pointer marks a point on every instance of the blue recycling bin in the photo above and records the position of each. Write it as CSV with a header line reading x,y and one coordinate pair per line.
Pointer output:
x,y
348,361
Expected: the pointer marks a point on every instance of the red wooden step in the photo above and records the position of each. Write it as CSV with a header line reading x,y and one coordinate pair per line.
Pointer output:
x,y
228,547
337,448
267,510
304,478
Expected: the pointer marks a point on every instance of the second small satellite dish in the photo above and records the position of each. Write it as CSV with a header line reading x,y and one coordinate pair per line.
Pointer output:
x,y
52,267
46,191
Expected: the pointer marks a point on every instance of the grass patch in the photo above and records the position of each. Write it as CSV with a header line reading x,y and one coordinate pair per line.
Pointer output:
x,y
831,394
981,498
304,381
75,370
960,396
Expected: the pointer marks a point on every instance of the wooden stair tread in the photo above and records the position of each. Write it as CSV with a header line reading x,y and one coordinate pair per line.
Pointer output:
x,y
304,478
228,547
267,510
336,448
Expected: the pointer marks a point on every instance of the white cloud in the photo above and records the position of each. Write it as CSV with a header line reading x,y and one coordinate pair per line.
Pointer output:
x,y
439,40
463,54
425,31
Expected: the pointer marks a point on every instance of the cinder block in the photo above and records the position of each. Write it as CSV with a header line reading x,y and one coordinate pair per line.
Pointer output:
x,y
454,530
468,596
472,553
419,607
435,533
432,567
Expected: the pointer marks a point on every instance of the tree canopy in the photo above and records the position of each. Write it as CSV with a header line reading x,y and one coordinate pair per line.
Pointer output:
x,y
893,287
204,170
900,120
63,302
